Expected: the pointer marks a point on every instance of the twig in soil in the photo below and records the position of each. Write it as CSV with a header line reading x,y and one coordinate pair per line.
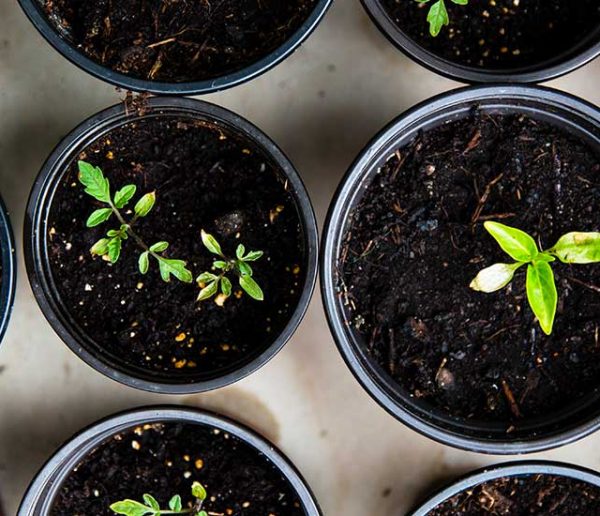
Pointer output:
x,y
474,142
483,199
109,248
512,403
584,284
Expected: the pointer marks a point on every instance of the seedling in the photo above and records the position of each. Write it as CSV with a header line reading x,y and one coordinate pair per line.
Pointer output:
x,y
438,14
109,248
151,507
210,282
573,248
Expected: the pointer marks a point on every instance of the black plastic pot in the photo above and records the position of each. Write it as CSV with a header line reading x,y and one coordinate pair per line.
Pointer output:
x,y
574,115
509,469
36,234
35,12
584,52
9,269
42,491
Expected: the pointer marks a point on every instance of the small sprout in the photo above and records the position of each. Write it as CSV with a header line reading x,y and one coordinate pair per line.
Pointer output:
x,y
574,248
151,507
438,14
210,283
98,187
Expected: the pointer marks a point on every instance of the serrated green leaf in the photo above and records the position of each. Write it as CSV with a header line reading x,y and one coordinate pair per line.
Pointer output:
x,y
239,252
251,288
495,277
514,242
209,291
198,491
211,243
579,248
114,249
130,508
145,204
94,181
244,268
159,247
144,262
205,277
124,195
151,502
252,256
226,286
98,217
177,268
175,503
100,248
437,17
541,294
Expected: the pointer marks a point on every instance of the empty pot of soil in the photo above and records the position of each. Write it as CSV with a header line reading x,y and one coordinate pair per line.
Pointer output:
x,y
460,268
172,247
519,488
7,269
170,47
504,40
168,460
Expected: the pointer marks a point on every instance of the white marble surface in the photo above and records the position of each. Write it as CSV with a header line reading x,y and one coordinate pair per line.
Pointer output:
x,y
321,106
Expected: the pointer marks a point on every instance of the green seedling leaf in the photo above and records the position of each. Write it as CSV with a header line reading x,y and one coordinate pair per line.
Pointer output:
x,y
579,248
100,248
98,217
114,249
252,256
175,503
437,17
175,268
514,242
251,288
124,195
198,491
239,252
145,204
202,513
226,286
541,294
245,269
144,262
220,264
211,243
94,181
205,277
159,247
209,291
495,277
151,502
130,508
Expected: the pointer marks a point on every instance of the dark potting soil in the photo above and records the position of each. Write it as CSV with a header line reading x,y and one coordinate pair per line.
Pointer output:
x,y
539,495
177,41
164,460
503,34
205,177
416,240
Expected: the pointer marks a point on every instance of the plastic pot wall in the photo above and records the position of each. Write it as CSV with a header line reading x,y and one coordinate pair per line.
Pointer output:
x,y
39,498
9,269
573,115
41,278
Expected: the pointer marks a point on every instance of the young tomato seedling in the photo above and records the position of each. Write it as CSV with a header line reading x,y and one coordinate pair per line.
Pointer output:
x,y
151,507
574,248
109,248
438,14
209,282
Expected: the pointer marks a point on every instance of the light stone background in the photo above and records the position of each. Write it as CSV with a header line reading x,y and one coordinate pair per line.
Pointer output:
x,y
322,105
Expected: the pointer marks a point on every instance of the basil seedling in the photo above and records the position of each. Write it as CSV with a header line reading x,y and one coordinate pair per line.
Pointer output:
x,y
438,14
573,248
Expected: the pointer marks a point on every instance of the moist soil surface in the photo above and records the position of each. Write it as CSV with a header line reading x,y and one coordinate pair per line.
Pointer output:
x,y
205,177
164,460
416,240
539,495
175,40
503,34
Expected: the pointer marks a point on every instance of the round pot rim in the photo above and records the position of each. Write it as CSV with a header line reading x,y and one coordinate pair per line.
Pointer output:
x,y
507,469
78,446
9,269
253,70
38,279
331,232
540,72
